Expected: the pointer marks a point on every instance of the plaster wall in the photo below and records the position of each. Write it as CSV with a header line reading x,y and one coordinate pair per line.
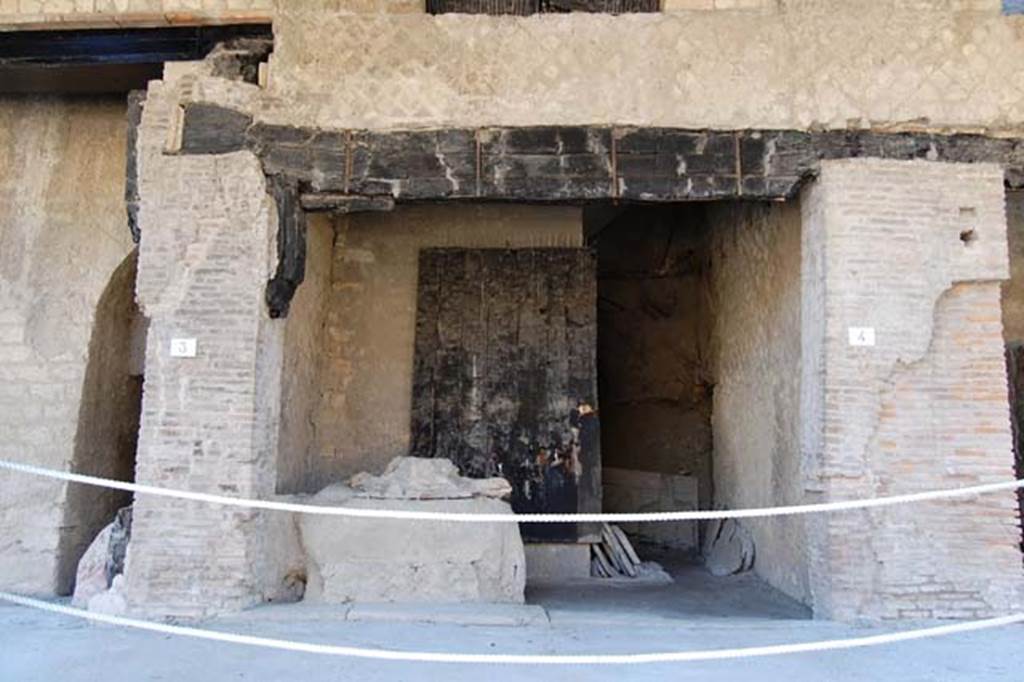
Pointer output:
x,y
16,14
888,65
63,233
916,251
364,417
297,461
755,300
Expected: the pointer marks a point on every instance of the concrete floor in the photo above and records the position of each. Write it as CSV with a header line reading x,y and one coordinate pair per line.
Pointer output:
x,y
695,595
696,612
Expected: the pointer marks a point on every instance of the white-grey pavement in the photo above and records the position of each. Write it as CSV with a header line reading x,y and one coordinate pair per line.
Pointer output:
x,y
36,646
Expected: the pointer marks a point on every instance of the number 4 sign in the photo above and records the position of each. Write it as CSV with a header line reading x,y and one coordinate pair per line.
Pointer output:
x,y
862,336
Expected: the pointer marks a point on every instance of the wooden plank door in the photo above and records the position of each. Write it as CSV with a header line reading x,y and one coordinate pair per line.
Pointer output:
x,y
505,377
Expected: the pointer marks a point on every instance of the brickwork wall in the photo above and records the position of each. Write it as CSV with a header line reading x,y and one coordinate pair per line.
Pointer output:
x,y
755,296
209,423
63,232
899,65
915,250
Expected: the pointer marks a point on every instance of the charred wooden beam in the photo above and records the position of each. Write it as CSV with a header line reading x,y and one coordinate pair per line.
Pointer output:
x,y
328,202
291,248
358,170
603,6
525,7
136,99
520,7
568,163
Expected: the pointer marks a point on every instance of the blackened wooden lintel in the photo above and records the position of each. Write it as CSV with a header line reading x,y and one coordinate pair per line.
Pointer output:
x,y
291,248
359,170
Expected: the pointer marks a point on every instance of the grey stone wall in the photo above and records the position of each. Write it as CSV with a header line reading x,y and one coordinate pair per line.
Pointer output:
x,y
63,232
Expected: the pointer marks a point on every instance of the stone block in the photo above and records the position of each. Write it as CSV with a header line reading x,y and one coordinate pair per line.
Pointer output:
x,y
550,561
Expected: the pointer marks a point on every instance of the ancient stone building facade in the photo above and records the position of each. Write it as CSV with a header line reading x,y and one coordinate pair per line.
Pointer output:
x,y
806,275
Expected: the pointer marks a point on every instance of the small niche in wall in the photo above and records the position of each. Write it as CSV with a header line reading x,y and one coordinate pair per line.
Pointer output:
x,y
968,234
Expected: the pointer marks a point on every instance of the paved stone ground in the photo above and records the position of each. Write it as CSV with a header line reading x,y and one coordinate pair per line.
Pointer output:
x,y
697,612
43,647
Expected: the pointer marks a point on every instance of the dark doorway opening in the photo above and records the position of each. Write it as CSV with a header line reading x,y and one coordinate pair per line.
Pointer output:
x,y
653,379
108,419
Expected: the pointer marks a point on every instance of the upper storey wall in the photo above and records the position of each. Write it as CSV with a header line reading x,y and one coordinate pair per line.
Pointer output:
x,y
860,64
943,65
23,13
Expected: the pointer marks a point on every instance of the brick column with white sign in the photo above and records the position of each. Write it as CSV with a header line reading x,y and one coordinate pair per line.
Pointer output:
x,y
212,394
904,389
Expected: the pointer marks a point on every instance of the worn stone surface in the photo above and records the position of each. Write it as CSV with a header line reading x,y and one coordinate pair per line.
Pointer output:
x,y
419,478
924,409
557,561
419,561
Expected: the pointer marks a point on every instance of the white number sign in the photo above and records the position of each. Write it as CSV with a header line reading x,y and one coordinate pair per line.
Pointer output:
x,y
862,336
183,348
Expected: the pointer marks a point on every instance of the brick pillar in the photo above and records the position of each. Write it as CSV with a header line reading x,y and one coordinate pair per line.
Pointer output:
x,y
209,422
916,252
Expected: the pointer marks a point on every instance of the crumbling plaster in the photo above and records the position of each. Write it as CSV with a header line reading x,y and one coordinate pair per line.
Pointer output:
x,y
62,235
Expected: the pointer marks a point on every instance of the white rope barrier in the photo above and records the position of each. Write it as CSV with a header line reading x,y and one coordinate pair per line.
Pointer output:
x,y
520,659
410,515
